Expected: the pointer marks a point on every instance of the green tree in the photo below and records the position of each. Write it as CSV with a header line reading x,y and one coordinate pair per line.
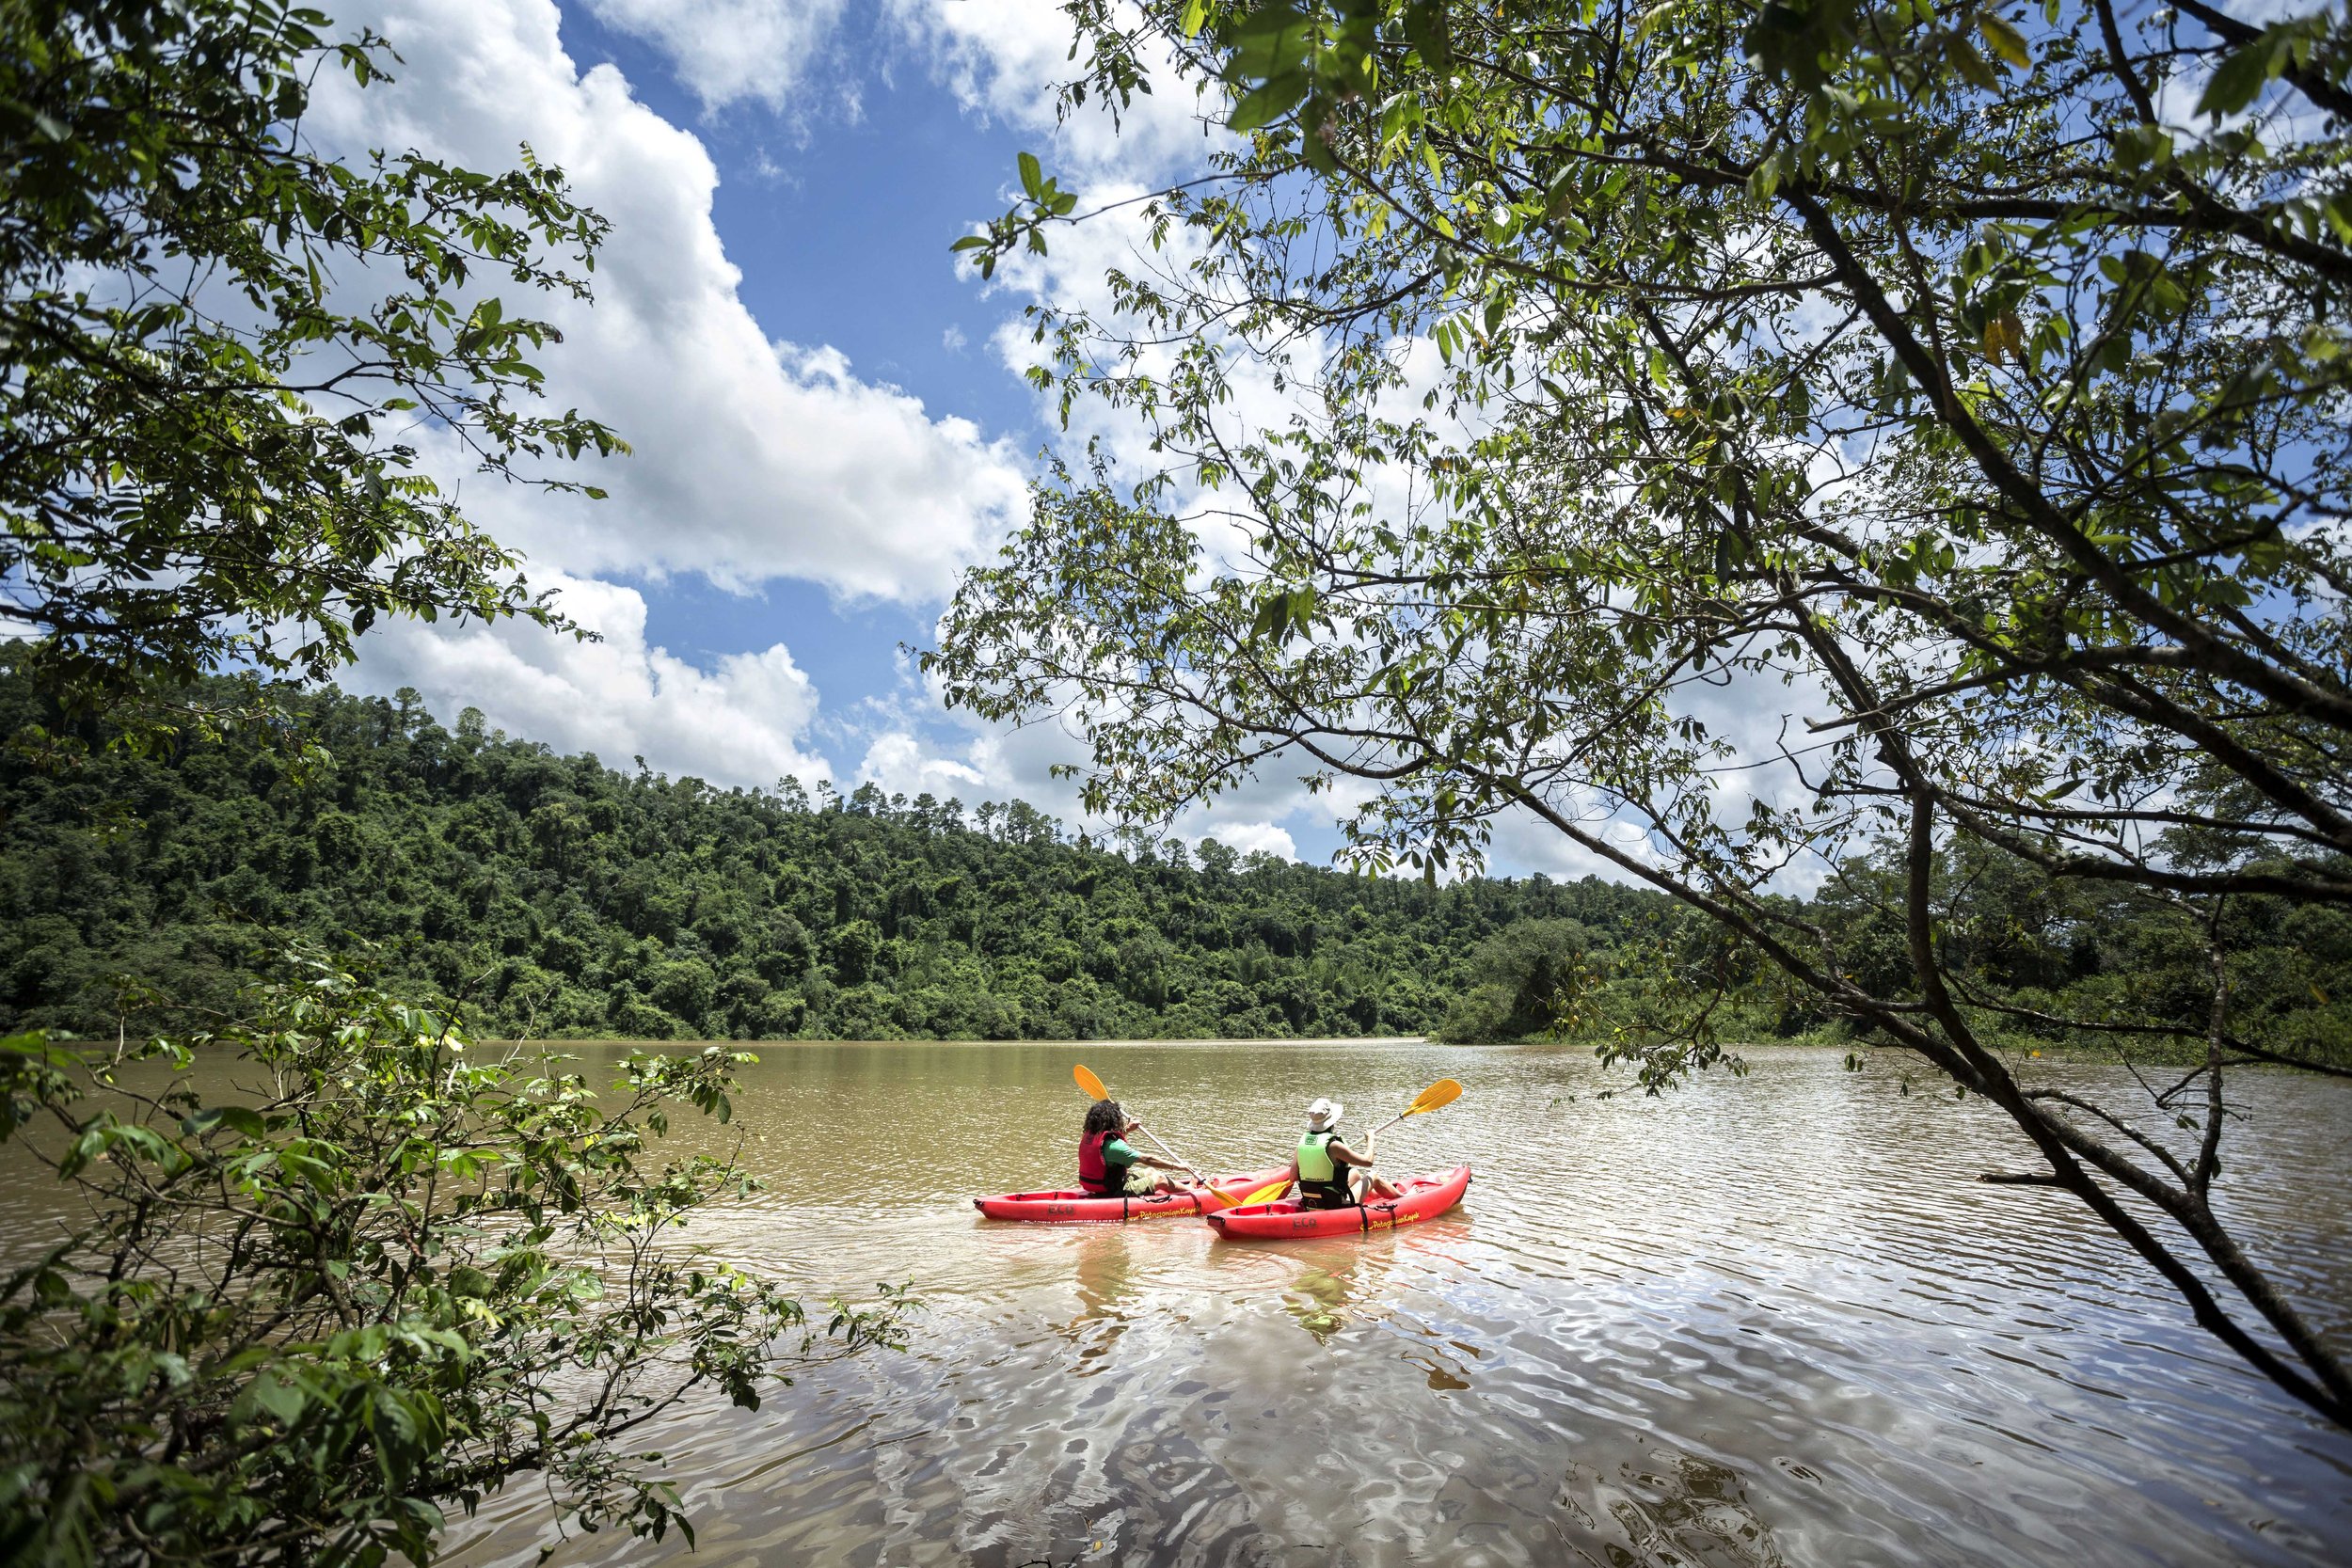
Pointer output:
x,y
1976,374
687,913
205,457
305,1322
555,896
1528,980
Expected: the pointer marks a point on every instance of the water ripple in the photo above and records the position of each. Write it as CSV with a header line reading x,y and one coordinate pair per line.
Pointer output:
x,y
1755,1324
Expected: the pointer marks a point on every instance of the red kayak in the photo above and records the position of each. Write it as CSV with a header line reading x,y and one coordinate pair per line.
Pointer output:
x,y
1081,1207
1424,1198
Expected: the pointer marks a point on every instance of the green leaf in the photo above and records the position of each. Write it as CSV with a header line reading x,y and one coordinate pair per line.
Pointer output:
x,y
1273,611
2139,145
278,1399
1032,176
1264,104
2242,75
1799,39
1972,67
2004,40
237,1118
1272,41
1428,29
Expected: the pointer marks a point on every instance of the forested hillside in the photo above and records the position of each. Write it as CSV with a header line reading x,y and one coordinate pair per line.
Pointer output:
x,y
557,897
554,895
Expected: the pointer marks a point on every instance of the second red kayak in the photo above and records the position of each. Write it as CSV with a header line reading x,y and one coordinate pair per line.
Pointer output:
x,y
1421,1199
1079,1208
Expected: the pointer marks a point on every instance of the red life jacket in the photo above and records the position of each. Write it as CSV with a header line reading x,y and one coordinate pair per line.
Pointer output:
x,y
1094,1172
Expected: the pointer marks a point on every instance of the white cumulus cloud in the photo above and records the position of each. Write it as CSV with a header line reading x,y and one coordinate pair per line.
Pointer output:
x,y
1003,61
754,459
740,721
900,762
726,51
1006,61
1255,837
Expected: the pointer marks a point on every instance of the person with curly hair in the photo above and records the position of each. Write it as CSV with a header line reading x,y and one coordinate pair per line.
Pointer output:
x,y
1107,1167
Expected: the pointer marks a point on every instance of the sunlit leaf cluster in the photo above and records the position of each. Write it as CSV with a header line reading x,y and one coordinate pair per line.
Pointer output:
x,y
313,1317
222,352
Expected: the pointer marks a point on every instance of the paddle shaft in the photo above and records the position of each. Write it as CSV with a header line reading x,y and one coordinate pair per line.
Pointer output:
x,y
1155,1138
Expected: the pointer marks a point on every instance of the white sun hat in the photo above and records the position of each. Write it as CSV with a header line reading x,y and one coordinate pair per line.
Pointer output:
x,y
1323,1115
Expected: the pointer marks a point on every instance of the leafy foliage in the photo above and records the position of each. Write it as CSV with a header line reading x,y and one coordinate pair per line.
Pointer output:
x,y
218,348
1528,371
303,1324
555,896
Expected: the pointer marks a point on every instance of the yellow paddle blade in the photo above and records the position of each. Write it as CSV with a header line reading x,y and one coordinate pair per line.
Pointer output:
x,y
1445,1091
1264,1195
1096,1090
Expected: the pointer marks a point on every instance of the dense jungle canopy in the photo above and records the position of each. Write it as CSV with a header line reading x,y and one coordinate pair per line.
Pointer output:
x,y
555,895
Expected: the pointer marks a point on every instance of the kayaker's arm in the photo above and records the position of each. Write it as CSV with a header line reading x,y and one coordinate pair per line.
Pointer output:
x,y
1143,1159
1340,1154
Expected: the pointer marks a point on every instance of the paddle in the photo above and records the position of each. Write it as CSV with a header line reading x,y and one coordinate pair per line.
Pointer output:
x,y
1445,1091
1095,1088
1264,1194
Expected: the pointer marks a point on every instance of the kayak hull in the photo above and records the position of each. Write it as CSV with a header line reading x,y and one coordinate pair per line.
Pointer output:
x,y
1073,1207
1424,1197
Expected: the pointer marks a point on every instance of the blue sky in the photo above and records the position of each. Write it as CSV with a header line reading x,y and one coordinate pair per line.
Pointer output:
x,y
825,408
841,223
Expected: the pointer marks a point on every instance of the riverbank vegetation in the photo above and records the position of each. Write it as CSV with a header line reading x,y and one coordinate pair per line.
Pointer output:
x,y
313,1319
552,896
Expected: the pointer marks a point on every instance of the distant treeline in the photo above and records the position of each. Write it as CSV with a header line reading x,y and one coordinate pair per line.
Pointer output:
x,y
554,896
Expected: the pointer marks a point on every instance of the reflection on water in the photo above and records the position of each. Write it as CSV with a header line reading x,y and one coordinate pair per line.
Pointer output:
x,y
1317,1296
1102,1275
1667,1509
1771,1321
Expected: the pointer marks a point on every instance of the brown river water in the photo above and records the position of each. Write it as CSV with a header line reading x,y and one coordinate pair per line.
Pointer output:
x,y
1758,1322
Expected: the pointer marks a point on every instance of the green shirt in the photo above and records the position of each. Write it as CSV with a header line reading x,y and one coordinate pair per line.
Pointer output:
x,y
1117,1154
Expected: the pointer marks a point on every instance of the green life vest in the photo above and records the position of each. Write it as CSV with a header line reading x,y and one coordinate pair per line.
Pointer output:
x,y
1322,1182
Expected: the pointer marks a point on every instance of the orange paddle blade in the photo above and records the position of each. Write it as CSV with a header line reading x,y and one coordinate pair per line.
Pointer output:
x,y
1095,1089
1445,1091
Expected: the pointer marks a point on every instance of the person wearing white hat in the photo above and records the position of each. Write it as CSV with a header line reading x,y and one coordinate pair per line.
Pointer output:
x,y
1326,1170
